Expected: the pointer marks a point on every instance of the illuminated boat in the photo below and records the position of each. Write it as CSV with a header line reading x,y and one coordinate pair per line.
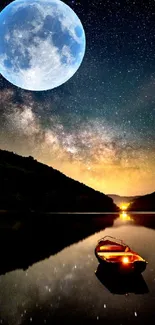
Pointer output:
x,y
116,255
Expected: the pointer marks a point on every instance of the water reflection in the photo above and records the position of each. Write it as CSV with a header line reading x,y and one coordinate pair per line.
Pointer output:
x,y
121,283
41,236
64,288
124,216
138,219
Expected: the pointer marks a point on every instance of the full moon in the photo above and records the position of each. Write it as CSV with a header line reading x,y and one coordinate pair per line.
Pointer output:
x,y
42,43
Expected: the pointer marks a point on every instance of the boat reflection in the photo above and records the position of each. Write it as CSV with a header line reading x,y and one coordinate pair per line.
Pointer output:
x,y
117,283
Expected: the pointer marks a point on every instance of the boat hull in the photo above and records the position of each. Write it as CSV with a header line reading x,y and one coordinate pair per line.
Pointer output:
x,y
138,266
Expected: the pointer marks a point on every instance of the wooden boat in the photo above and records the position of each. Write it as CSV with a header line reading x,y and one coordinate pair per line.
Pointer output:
x,y
114,254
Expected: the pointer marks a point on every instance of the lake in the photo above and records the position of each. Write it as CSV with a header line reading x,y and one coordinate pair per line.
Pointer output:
x,y
65,288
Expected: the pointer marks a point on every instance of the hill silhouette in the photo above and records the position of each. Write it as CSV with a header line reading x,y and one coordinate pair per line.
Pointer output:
x,y
143,203
30,185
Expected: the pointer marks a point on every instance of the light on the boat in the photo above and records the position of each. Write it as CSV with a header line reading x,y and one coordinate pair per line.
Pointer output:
x,y
125,260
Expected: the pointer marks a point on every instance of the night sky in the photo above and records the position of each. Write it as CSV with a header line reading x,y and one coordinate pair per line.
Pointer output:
x,y
99,127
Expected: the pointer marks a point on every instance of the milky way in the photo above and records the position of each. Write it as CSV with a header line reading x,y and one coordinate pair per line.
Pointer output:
x,y
99,127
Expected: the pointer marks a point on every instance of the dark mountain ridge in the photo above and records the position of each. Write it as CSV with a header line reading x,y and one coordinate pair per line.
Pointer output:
x,y
143,203
31,185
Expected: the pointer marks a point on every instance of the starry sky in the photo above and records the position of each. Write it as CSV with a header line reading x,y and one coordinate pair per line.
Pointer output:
x,y
98,127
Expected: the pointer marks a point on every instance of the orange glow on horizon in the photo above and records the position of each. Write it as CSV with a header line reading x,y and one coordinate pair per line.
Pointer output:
x,y
124,206
102,176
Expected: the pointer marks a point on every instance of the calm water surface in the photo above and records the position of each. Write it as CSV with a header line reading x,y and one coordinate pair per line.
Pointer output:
x,y
65,289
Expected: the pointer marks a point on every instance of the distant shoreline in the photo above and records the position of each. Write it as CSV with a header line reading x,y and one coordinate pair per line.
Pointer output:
x,y
75,213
